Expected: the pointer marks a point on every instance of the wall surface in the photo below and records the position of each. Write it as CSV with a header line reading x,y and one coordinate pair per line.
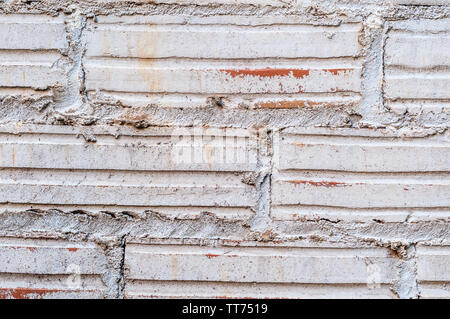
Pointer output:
x,y
224,148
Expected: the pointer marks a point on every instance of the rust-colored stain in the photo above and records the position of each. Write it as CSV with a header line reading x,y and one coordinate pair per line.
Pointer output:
x,y
321,183
211,255
267,72
25,293
289,104
337,71
31,248
72,249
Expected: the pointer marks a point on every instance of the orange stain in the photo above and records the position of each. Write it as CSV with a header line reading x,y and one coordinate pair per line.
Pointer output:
x,y
267,72
25,293
321,184
211,255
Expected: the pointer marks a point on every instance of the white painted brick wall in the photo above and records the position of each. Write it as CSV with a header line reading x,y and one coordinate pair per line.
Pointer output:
x,y
222,148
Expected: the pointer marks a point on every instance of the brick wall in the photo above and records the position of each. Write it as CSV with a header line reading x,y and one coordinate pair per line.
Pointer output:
x,y
222,148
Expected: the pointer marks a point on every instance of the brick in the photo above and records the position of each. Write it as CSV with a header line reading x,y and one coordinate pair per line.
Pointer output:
x,y
371,151
417,56
222,41
37,268
195,271
346,173
141,170
167,77
433,264
158,59
28,51
42,32
30,70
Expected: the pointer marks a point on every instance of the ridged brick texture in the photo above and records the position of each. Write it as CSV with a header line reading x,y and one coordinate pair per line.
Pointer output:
x,y
224,149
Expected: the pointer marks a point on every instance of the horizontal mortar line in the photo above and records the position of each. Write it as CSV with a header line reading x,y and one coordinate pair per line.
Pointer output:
x,y
345,136
254,251
433,282
138,286
245,283
247,95
74,211
73,207
348,208
388,142
44,290
124,21
7,53
192,137
423,75
131,171
267,60
52,276
253,94
112,176
27,19
412,70
26,88
27,243
155,26
352,133
418,33
37,51
417,100
194,131
29,64
362,179
122,143
319,173
324,208
118,184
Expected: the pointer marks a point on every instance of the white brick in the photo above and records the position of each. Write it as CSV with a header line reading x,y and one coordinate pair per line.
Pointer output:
x,y
223,41
417,60
32,32
57,167
359,150
418,50
433,263
406,85
422,2
169,77
344,174
32,268
28,51
365,192
433,271
158,55
30,70
245,271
